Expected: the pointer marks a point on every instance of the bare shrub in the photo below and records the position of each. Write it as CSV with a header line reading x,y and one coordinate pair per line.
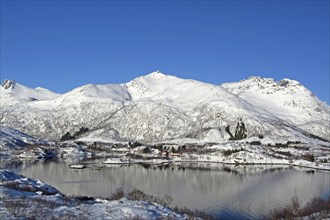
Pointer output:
x,y
138,195
119,194
308,157
134,156
294,209
19,187
324,160
230,152
28,188
295,204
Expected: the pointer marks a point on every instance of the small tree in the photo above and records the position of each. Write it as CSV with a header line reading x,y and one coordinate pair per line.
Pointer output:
x,y
67,136
173,150
81,131
146,150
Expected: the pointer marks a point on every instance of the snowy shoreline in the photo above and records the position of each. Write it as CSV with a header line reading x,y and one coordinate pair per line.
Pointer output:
x,y
313,153
23,197
252,164
164,162
236,154
314,157
37,197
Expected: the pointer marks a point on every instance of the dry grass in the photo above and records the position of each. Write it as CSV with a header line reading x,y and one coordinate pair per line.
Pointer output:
x,y
25,187
294,209
308,157
138,195
119,194
229,152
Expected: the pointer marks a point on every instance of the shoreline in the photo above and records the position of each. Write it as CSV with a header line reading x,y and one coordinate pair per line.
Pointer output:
x,y
80,161
252,164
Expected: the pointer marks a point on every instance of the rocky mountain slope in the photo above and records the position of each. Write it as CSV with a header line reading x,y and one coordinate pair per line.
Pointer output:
x,y
12,138
288,100
21,145
152,108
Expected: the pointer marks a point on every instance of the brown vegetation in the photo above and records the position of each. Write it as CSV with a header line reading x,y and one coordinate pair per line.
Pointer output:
x,y
308,157
229,152
317,208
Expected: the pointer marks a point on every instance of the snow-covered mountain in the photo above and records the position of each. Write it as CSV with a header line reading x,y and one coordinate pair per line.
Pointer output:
x,y
288,100
151,108
12,93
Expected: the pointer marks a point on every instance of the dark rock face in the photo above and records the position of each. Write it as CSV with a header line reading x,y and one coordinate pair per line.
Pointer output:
x,y
230,134
8,84
284,83
240,131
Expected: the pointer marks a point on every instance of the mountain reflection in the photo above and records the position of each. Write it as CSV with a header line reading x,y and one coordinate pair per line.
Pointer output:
x,y
218,189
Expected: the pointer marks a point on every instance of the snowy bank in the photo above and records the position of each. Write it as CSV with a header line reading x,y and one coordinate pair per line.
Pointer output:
x,y
22,197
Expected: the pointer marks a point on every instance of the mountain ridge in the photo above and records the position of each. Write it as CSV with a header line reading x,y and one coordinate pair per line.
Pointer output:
x,y
151,108
287,99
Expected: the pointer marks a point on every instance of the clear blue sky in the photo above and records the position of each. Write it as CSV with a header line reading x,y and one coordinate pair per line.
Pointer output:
x,y
64,44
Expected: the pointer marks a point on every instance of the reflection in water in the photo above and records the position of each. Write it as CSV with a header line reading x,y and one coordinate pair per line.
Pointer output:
x,y
225,191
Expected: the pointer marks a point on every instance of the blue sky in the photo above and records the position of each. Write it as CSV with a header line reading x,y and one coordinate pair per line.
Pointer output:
x,y
64,44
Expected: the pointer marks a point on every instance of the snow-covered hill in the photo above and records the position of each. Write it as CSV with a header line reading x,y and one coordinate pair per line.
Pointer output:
x,y
288,100
15,93
12,138
151,108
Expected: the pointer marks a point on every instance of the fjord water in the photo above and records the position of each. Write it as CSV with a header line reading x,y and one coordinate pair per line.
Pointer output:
x,y
226,192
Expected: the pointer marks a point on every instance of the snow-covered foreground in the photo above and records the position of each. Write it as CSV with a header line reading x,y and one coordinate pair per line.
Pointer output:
x,y
22,197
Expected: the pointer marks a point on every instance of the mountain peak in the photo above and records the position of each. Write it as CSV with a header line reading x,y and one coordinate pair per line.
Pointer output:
x,y
258,78
287,87
156,74
16,91
8,84
285,82
153,77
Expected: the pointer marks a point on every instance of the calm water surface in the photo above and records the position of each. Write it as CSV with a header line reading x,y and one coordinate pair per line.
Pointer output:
x,y
226,192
